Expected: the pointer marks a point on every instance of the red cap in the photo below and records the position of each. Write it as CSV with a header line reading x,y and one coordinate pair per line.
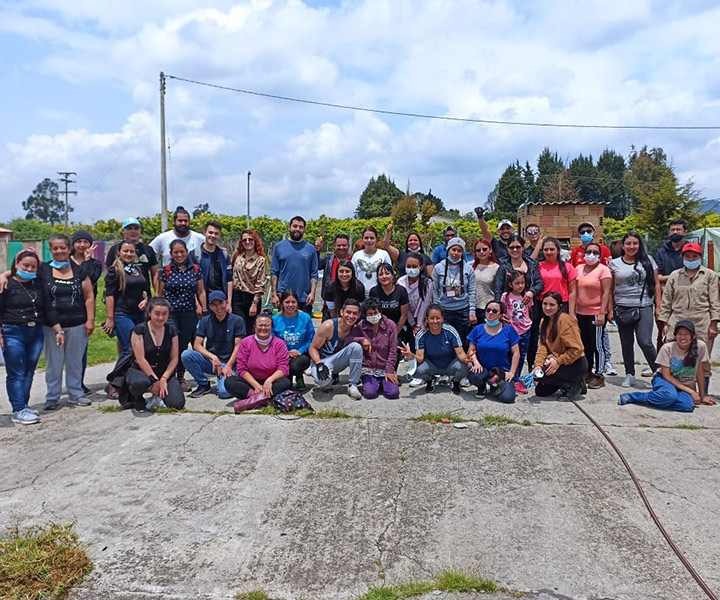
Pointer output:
x,y
692,247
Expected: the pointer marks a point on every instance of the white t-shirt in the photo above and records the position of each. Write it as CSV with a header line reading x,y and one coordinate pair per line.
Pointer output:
x,y
161,244
366,266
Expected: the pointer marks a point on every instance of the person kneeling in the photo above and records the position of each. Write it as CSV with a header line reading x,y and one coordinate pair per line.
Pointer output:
x,y
263,363
560,363
439,351
679,383
330,354
378,337
217,339
155,357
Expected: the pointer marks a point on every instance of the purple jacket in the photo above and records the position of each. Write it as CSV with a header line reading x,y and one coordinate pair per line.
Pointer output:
x,y
383,354
262,364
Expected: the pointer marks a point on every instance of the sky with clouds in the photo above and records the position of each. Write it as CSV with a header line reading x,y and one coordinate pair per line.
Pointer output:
x,y
79,81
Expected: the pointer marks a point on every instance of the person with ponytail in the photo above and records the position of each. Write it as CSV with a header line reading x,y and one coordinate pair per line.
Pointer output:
x,y
635,288
679,383
22,313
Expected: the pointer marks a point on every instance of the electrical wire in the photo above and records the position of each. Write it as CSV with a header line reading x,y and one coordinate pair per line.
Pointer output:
x,y
696,576
441,117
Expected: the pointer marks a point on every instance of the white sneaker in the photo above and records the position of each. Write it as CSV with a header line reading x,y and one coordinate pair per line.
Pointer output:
x,y
629,381
464,382
610,370
353,392
412,367
444,380
416,382
25,417
155,402
647,372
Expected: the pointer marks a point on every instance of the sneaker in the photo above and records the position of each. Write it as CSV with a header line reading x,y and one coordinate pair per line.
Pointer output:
x,y
154,402
610,370
353,392
50,405
112,392
32,410
465,382
81,401
444,380
85,388
456,389
624,399
335,378
629,381
520,388
25,417
480,394
646,372
430,385
200,390
415,382
596,382
573,392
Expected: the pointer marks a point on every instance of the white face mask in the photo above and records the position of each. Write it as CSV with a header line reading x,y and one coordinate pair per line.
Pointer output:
x,y
591,259
374,319
412,272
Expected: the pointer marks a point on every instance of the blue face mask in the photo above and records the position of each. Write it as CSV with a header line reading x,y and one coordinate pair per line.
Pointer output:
x,y
454,261
412,272
692,264
587,237
26,275
59,265
492,323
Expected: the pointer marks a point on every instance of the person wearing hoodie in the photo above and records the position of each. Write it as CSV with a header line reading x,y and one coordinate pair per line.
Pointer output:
x,y
669,259
454,288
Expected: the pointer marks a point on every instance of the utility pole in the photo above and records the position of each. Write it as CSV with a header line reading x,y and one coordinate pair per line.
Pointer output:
x,y
66,180
248,199
163,171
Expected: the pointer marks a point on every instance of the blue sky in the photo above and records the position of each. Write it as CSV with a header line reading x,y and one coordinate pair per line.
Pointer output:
x,y
80,78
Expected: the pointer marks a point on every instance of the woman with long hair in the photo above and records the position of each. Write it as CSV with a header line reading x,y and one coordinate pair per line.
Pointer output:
x,y
156,354
249,268
22,313
182,284
295,328
636,287
392,297
679,383
367,260
419,291
344,286
560,362
557,275
486,269
413,245
593,308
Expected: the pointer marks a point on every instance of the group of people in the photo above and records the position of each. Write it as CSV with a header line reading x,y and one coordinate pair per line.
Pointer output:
x,y
468,317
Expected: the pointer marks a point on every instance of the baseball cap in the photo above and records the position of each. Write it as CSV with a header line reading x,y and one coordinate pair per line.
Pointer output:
x,y
586,224
689,325
130,221
504,222
217,295
692,247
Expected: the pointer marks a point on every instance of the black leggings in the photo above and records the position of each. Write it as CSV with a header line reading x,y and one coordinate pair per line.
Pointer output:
x,y
138,383
563,379
592,337
298,365
185,322
241,303
240,388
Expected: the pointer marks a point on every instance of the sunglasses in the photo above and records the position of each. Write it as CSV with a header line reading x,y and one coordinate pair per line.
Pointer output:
x,y
482,249
515,247
492,310
586,231
248,241
592,253
532,231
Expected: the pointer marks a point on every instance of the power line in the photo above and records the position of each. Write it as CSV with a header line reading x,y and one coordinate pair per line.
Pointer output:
x,y
445,118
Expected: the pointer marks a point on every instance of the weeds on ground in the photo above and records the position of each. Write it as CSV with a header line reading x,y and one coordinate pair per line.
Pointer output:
x,y
41,562
253,595
111,409
486,421
438,417
447,581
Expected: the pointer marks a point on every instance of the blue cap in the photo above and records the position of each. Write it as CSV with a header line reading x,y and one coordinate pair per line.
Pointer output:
x,y
130,221
217,295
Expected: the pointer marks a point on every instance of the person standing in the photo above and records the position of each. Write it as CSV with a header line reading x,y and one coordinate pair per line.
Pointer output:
x,y
180,231
636,287
499,244
419,289
249,278
535,239
485,269
669,258
145,258
367,260
328,264
22,312
517,314
440,252
294,265
413,244
214,261
557,275
587,234
344,286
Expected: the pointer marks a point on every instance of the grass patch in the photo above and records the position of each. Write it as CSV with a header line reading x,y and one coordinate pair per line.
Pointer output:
x,y
447,581
253,595
681,426
113,408
486,421
41,562
333,414
438,417
496,421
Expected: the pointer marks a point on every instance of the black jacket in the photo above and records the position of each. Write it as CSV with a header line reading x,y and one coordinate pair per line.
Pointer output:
x,y
533,281
668,259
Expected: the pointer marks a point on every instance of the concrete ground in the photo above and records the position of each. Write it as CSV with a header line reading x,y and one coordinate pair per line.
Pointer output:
x,y
203,506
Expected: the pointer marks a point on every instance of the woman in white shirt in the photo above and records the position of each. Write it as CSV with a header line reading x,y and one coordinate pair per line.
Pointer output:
x,y
367,260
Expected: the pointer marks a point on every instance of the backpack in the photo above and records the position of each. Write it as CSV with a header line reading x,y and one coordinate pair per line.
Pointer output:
x,y
289,401
168,270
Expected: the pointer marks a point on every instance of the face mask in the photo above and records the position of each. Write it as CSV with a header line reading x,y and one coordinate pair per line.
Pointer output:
x,y
55,264
182,230
587,237
453,261
492,323
412,272
374,319
676,237
591,259
26,275
263,343
692,264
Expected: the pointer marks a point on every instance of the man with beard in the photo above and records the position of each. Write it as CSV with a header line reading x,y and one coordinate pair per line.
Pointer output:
x,y
505,230
294,266
180,231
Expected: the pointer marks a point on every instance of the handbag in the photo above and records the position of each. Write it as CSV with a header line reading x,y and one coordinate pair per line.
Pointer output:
x,y
289,401
627,315
254,400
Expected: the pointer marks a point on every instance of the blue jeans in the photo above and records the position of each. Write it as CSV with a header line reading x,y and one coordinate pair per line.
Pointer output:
x,y
23,346
664,395
198,365
123,329
523,345
507,393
